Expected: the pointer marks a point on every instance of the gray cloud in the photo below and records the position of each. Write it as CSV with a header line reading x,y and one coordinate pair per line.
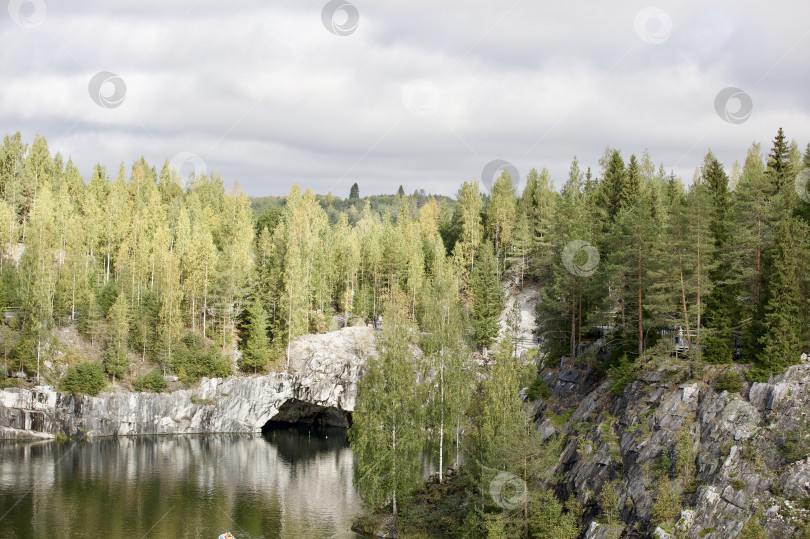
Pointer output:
x,y
265,95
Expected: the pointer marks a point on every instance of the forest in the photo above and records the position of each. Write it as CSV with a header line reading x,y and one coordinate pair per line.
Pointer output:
x,y
160,278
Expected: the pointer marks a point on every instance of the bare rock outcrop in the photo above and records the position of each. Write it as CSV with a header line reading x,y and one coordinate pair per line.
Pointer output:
x,y
724,452
321,388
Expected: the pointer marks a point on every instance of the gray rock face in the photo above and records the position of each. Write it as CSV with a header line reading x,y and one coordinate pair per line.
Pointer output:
x,y
322,389
724,451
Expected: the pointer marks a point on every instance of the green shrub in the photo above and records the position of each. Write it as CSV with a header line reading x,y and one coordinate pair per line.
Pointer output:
x,y
152,381
87,378
539,390
558,420
796,445
667,503
622,373
730,381
737,484
753,529
194,359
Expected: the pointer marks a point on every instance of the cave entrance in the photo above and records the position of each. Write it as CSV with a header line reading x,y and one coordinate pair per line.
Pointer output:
x,y
299,413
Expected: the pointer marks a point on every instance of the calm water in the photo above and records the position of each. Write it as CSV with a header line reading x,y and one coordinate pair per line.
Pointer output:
x,y
283,483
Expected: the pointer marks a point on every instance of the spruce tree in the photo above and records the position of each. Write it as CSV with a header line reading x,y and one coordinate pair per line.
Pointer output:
x,y
116,362
612,187
256,352
354,192
721,314
782,320
487,297
779,167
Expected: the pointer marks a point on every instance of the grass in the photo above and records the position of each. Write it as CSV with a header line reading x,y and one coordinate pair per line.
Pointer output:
x,y
558,420
737,484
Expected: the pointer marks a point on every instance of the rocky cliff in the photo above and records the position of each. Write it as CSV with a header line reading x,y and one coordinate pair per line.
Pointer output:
x,y
674,457
321,387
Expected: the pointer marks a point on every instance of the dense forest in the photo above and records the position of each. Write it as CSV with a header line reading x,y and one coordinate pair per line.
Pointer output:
x,y
195,281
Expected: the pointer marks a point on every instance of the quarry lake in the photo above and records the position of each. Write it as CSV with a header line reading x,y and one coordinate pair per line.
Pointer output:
x,y
285,482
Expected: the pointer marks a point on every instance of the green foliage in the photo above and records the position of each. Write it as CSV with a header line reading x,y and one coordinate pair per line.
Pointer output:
x,y
84,378
737,484
782,318
753,529
796,445
549,519
621,374
488,297
256,351
115,362
685,456
667,504
558,420
193,359
730,381
609,503
152,381
386,432
662,465
539,390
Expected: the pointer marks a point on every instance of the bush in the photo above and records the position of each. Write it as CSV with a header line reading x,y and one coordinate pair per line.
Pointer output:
x,y
796,445
753,529
193,359
622,373
667,503
737,484
87,378
730,381
152,381
539,390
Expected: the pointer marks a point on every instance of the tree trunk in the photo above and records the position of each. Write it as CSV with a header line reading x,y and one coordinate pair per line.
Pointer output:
x,y
640,314
683,298
572,303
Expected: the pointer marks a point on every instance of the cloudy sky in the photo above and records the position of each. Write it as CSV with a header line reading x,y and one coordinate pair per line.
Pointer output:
x,y
422,94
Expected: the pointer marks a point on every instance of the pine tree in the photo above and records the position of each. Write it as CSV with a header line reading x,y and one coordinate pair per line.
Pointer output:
x,y
256,351
487,297
354,192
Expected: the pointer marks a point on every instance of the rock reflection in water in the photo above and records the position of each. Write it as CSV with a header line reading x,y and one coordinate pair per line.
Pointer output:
x,y
294,482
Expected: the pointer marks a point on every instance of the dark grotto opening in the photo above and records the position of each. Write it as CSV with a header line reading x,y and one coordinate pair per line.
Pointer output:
x,y
299,413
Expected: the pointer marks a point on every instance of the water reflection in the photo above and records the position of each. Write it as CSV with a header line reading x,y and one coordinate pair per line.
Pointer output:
x,y
283,483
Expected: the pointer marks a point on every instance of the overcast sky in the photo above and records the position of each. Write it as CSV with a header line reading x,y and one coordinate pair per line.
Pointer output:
x,y
422,94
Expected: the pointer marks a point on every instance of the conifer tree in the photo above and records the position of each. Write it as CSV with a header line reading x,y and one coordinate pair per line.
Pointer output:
x,y
487,297
116,362
256,350
472,232
500,217
782,320
721,314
